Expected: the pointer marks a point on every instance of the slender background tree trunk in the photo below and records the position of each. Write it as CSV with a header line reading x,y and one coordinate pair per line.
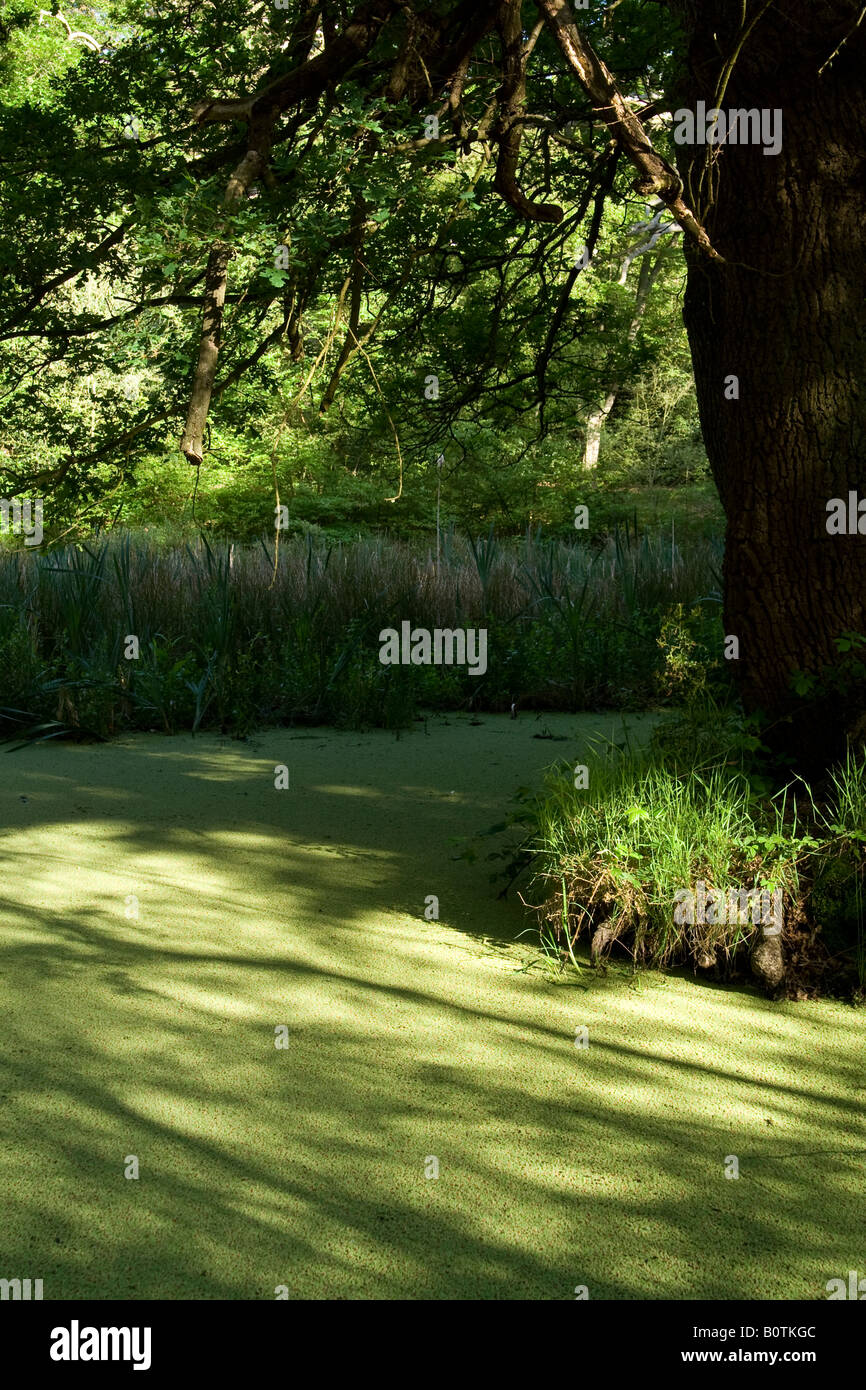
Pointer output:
x,y
650,270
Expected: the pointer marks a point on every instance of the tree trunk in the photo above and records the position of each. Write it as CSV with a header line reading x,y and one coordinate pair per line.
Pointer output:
x,y
649,273
250,167
784,317
192,442
595,423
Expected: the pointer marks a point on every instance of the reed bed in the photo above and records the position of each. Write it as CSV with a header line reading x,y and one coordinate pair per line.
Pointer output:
x,y
235,636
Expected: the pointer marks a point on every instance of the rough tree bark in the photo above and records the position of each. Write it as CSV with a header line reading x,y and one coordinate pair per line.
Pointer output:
x,y
784,315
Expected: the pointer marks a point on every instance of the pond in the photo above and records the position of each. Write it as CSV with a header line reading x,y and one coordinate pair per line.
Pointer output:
x,y
238,1059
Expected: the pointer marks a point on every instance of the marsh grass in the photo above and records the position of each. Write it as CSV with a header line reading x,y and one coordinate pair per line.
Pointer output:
x,y
233,637
611,857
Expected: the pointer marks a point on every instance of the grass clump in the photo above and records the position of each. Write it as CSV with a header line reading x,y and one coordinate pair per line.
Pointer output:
x,y
621,860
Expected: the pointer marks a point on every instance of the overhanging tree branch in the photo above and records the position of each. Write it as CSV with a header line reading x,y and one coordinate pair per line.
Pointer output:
x,y
656,175
509,130
261,111
311,78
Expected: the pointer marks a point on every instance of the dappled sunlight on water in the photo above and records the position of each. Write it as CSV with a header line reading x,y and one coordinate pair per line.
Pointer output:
x,y
151,952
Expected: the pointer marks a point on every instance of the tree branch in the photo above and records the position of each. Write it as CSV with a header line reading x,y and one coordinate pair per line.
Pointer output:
x,y
657,176
509,130
311,78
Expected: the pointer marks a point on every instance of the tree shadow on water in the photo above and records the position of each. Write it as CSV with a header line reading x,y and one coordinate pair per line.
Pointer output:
x,y
312,1166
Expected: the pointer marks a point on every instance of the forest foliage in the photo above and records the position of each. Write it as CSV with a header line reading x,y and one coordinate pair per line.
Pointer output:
x,y
393,329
